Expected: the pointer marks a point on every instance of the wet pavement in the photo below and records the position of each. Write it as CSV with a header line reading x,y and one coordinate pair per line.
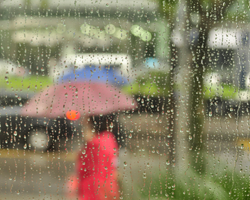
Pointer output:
x,y
27,174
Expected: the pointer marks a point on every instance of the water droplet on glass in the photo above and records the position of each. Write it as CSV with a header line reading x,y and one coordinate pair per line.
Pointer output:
x,y
111,125
125,164
130,135
167,162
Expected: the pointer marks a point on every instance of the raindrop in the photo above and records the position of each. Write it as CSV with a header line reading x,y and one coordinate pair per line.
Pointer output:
x,y
111,125
130,135
210,114
20,5
107,5
125,164
15,133
190,137
167,162
49,185
242,146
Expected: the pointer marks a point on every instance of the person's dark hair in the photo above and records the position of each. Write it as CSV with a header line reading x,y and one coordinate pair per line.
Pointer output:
x,y
108,123
101,123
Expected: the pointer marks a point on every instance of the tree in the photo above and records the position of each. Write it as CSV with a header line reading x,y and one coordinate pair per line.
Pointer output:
x,y
193,19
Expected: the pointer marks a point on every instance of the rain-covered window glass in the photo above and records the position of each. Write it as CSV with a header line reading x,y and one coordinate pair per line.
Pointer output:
x,y
113,99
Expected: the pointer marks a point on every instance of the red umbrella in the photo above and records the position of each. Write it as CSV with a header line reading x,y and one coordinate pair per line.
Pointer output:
x,y
84,97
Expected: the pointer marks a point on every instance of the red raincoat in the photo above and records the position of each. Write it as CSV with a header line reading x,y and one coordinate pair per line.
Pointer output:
x,y
97,168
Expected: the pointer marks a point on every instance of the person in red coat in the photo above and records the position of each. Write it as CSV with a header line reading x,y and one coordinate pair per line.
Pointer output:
x,y
97,161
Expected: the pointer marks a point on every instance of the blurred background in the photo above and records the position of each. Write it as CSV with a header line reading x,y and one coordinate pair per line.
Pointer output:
x,y
185,63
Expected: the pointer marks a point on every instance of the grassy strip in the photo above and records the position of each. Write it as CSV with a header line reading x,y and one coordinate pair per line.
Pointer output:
x,y
219,182
32,83
153,88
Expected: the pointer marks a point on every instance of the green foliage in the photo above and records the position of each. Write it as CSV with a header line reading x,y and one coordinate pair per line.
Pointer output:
x,y
224,91
156,83
32,83
239,11
153,83
168,8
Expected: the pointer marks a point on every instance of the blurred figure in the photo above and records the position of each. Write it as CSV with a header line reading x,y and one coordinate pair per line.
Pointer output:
x,y
97,161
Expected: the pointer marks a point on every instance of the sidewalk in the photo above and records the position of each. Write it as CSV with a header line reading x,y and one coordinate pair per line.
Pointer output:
x,y
146,152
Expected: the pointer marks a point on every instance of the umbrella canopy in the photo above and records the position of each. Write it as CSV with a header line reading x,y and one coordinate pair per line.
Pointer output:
x,y
104,74
83,97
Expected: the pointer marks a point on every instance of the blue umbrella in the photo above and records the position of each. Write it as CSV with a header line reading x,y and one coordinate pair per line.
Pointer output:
x,y
95,74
